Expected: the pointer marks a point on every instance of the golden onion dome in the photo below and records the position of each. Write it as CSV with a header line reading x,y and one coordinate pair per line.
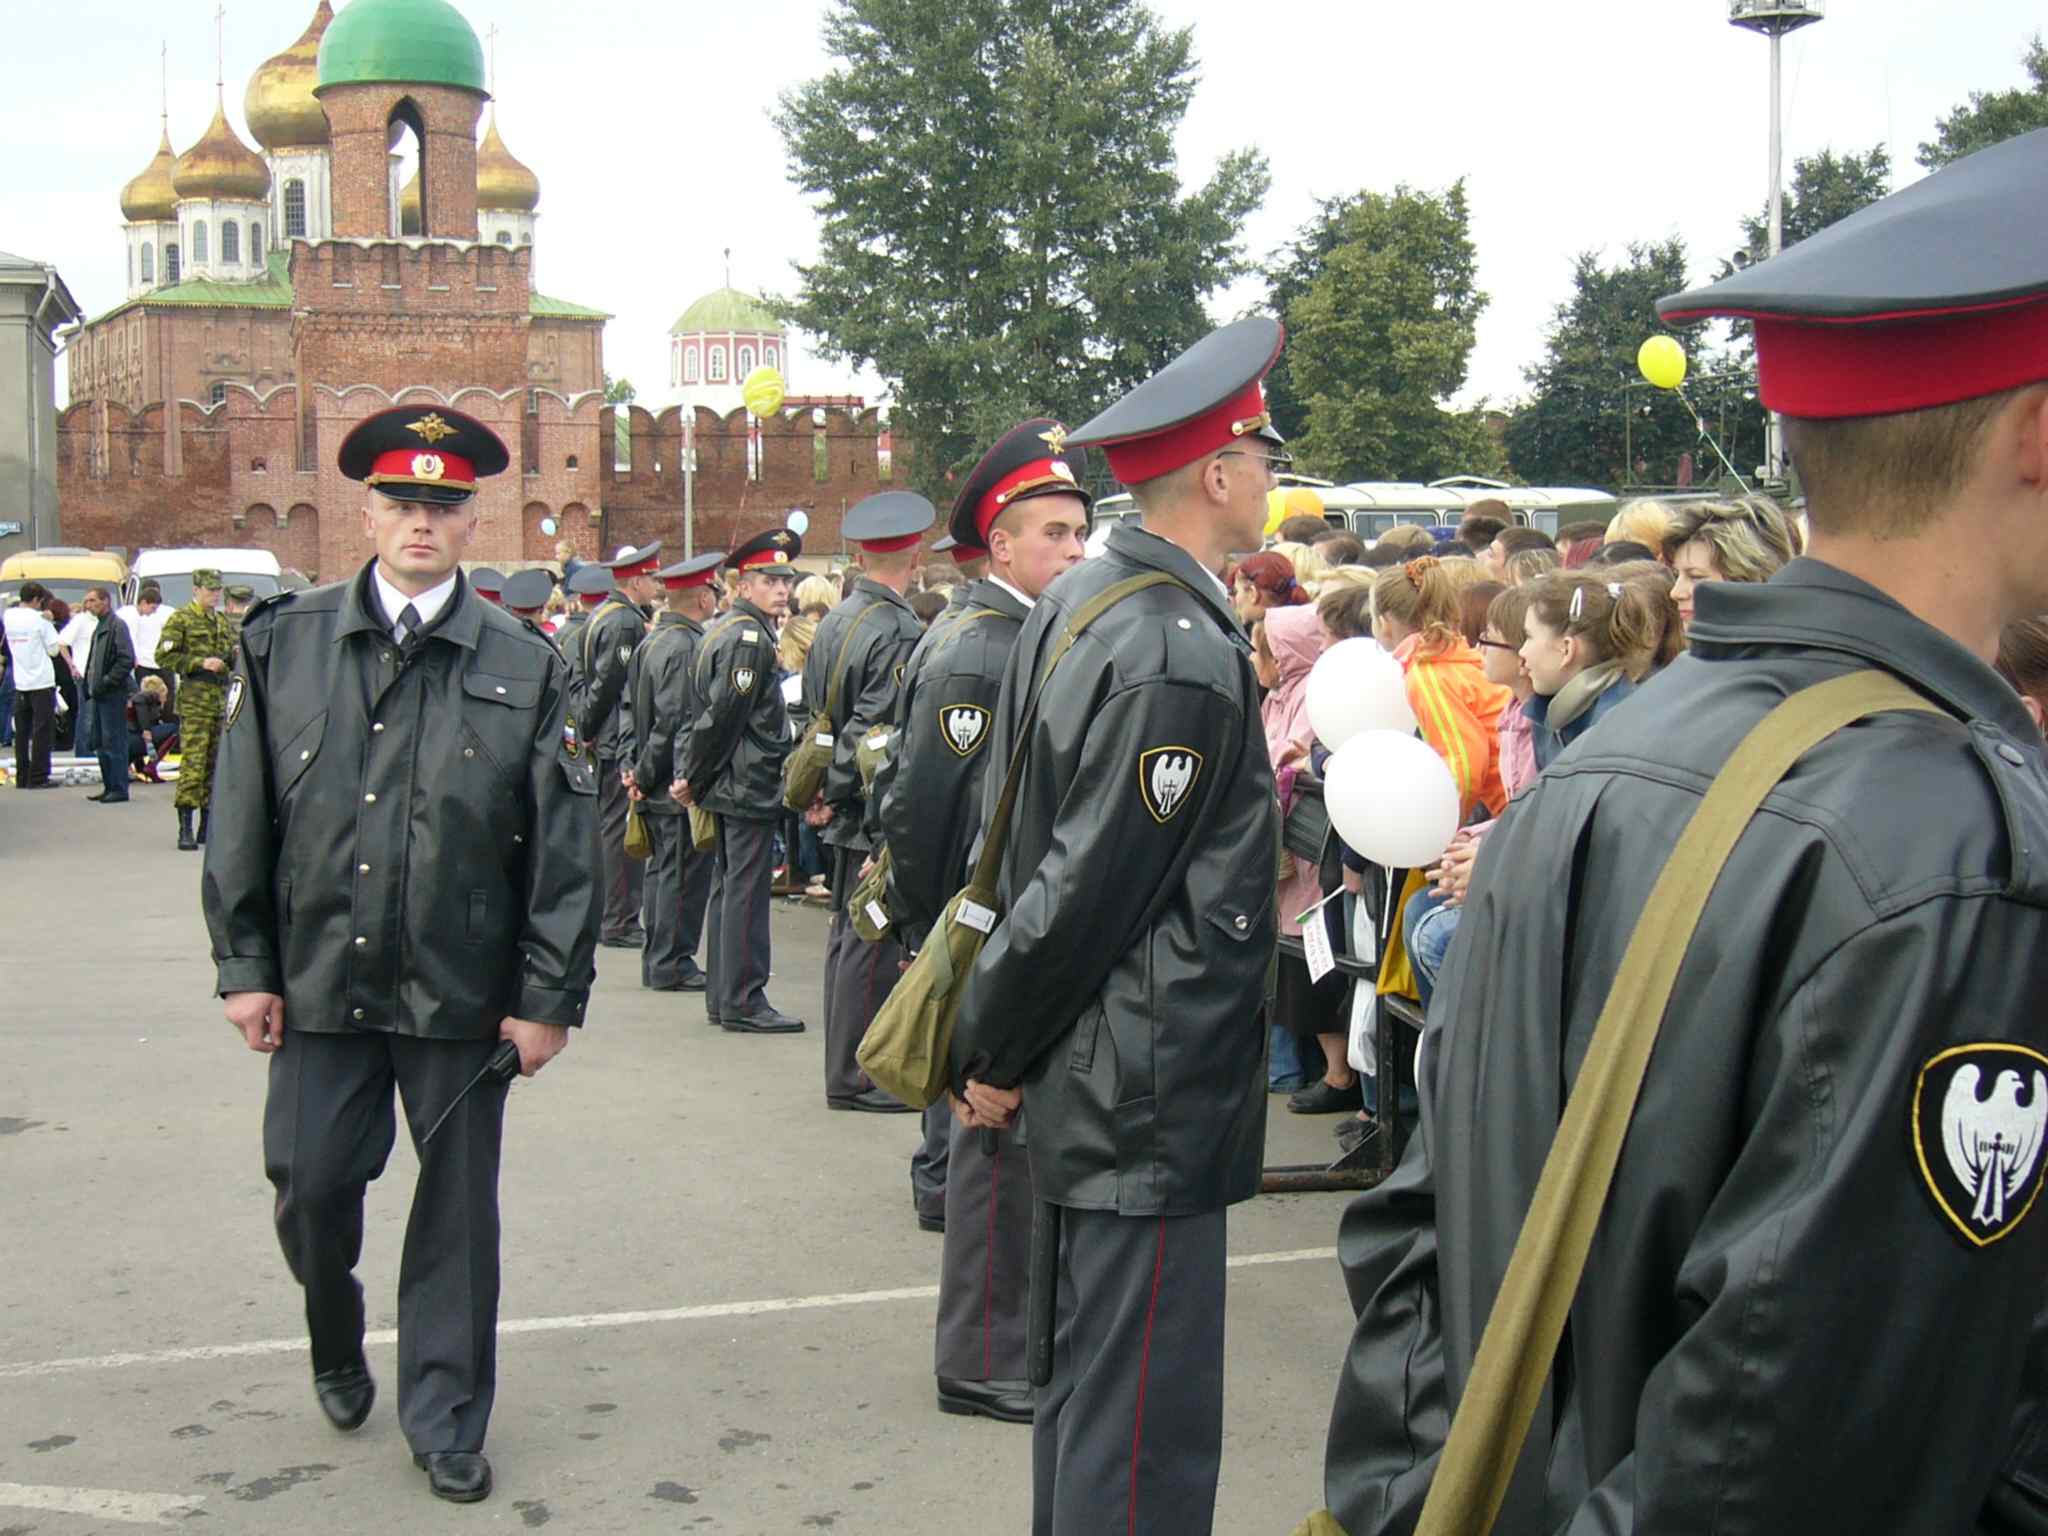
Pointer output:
x,y
409,205
150,198
221,165
279,104
503,185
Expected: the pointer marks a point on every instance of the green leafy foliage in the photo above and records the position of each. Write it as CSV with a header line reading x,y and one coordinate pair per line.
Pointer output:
x,y
1003,232
1991,117
1826,188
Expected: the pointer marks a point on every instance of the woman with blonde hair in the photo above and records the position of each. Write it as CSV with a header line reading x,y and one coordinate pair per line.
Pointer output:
x,y
1643,522
1747,539
1529,564
1417,614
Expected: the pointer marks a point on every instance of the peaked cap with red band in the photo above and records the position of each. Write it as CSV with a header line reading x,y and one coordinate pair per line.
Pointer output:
x,y
591,584
889,521
1031,459
422,453
698,571
487,581
772,551
1206,399
963,554
1935,295
635,562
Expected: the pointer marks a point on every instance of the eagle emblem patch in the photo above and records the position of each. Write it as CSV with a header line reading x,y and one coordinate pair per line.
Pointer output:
x,y
625,654
234,705
431,427
1978,1118
743,679
1166,777
964,727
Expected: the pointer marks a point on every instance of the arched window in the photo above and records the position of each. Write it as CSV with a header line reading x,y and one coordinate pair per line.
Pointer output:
x,y
504,237
220,392
716,371
148,262
768,355
689,365
295,210
171,262
255,244
199,241
746,362
527,238
230,242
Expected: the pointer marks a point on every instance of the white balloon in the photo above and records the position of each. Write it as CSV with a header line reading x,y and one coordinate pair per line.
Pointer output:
x,y
1355,686
798,522
1392,799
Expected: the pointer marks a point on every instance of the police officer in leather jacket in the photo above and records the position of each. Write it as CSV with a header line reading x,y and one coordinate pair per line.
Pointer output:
x,y
1123,987
730,764
399,879
604,652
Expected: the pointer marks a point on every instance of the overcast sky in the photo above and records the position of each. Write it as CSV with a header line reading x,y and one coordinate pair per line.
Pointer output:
x,y
1577,126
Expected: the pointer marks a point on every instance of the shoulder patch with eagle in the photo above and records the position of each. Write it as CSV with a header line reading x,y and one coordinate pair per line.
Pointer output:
x,y
743,679
963,727
1979,1114
1167,778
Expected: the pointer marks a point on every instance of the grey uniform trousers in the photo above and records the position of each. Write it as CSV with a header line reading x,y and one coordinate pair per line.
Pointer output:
x,y
858,976
738,951
1128,1433
928,1162
327,1129
622,876
985,1275
674,896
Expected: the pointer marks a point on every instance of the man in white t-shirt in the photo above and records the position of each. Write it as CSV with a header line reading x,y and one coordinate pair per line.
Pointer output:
x,y
76,638
145,618
31,644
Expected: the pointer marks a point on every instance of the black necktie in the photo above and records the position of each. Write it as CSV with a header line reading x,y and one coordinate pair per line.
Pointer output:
x,y
408,628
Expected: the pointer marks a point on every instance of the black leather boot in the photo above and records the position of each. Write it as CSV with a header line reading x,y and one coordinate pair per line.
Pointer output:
x,y
186,842
204,817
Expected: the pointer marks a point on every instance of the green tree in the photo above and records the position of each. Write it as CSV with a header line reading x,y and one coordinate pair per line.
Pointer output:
x,y
1382,337
618,391
1003,229
1991,117
1826,188
1290,272
1591,418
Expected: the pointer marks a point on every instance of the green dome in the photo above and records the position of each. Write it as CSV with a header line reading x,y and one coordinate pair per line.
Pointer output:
x,y
726,310
405,42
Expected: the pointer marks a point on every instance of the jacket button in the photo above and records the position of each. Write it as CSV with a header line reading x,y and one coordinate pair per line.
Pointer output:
x,y
1240,922
518,837
378,728
361,941
362,869
304,755
469,751
387,655
369,799
358,1013
501,691
2012,754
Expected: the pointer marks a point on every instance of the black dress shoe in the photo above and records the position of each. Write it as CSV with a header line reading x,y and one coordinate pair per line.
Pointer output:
x,y
769,1023
345,1395
100,796
1009,1401
625,941
930,1223
460,1477
1321,1098
696,981
876,1102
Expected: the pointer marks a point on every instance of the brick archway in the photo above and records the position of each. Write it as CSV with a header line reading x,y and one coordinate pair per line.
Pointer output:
x,y
297,542
533,543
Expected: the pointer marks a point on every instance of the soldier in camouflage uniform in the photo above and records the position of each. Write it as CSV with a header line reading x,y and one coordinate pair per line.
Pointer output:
x,y
197,648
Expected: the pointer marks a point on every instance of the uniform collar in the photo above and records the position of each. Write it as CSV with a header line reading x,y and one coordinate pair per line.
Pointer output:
x,y
1817,606
668,618
741,606
875,589
359,613
1139,547
987,592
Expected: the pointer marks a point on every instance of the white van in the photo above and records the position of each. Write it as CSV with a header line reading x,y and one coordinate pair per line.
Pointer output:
x,y
171,570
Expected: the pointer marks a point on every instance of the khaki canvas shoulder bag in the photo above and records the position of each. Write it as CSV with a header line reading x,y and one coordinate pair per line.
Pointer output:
x,y
803,771
908,1048
1518,1348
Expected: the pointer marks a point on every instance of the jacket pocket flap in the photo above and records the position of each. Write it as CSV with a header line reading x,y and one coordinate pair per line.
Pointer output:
x,y
297,754
519,692
581,775
1234,921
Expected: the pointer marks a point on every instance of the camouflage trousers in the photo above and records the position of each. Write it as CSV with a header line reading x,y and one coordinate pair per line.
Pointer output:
x,y
199,726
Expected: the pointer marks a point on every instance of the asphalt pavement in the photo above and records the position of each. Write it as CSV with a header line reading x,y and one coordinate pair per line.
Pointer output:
x,y
717,1305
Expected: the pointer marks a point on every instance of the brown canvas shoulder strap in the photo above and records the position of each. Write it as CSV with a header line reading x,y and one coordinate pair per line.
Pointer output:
x,y
838,673
1519,1346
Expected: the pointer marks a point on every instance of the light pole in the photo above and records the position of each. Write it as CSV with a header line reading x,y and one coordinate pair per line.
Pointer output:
x,y
1775,18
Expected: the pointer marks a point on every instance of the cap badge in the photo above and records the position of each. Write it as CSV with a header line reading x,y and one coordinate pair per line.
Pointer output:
x,y
428,466
1055,438
431,427
781,557
778,537
1063,469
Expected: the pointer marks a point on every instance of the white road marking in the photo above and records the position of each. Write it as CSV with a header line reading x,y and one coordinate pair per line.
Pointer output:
x,y
579,1323
100,1503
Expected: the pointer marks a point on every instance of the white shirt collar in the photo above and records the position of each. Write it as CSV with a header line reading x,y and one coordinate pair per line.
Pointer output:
x,y
1016,592
427,605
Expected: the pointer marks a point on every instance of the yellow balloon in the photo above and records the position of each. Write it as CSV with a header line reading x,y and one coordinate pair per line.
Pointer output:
x,y
763,392
1302,501
1662,361
1276,511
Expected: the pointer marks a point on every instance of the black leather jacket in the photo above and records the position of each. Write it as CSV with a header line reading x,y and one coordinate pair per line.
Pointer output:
x,y
658,686
109,661
732,751
1125,983
931,810
875,660
1779,1328
400,845
604,654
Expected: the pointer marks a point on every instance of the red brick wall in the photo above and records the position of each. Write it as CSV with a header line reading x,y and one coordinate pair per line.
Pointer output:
x,y
359,117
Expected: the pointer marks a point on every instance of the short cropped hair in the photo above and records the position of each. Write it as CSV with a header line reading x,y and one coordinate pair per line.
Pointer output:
x,y
1887,477
1341,548
1302,529
1481,527
1513,541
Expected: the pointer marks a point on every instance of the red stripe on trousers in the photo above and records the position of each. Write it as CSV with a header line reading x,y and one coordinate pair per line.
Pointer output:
x,y
1144,1372
988,1265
